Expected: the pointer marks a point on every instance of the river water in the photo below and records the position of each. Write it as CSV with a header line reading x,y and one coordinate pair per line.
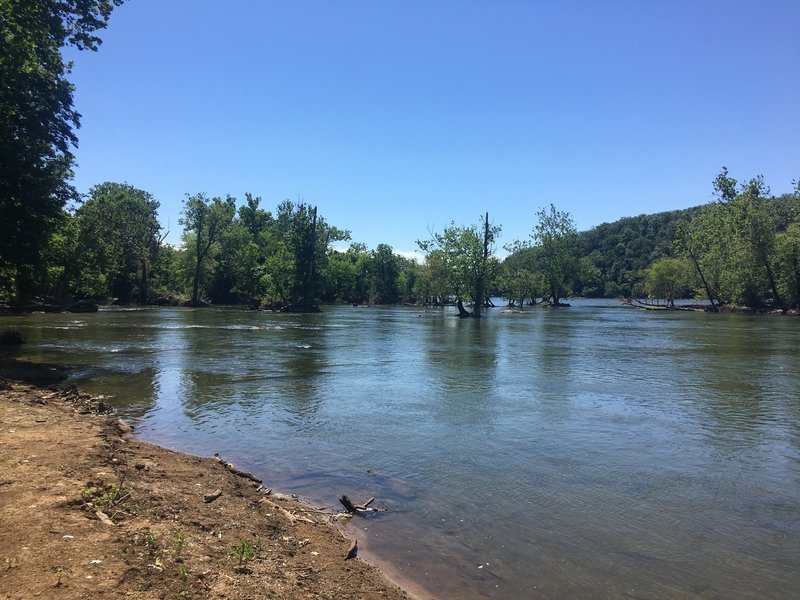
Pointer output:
x,y
586,452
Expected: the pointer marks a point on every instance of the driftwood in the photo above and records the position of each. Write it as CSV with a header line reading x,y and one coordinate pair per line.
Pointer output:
x,y
291,517
232,468
357,508
348,506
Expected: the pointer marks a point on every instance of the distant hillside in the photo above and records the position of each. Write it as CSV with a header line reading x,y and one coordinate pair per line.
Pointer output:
x,y
622,249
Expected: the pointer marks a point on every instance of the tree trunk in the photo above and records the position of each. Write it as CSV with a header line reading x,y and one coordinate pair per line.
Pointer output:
x,y
776,296
195,284
144,291
463,313
481,282
703,279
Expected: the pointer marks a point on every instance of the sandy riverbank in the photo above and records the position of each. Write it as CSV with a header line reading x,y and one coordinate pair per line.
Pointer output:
x,y
88,510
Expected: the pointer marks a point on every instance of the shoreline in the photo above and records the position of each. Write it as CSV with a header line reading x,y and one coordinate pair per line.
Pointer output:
x,y
89,509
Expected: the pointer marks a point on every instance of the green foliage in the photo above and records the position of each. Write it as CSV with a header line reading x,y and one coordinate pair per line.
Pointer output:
x,y
383,270
301,241
204,223
668,279
623,249
519,278
787,263
589,282
37,127
345,277
460,263
178,540
556,237
150,541
118,236
743,248
243,551
104,496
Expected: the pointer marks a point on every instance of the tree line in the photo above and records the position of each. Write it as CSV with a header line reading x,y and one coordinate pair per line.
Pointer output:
x,y
742,249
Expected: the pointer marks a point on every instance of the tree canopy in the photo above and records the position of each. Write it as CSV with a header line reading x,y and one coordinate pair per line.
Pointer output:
x,y
37,126
461,263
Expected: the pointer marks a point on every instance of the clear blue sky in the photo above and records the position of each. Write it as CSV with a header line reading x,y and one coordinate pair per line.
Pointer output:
x,y
397,117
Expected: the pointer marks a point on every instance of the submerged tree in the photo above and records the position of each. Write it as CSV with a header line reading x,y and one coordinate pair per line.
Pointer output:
x,y
462,263
667,278
555,235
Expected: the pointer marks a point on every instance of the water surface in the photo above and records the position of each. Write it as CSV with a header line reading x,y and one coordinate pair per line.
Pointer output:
x,y
589,452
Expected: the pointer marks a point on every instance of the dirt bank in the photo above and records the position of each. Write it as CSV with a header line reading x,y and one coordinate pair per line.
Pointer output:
x,y
86,511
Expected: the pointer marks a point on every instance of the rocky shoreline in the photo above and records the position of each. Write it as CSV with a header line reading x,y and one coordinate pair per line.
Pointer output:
x,y
90,511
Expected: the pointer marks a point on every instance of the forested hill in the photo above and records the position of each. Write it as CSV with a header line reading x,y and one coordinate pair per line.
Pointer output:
x,y
624,248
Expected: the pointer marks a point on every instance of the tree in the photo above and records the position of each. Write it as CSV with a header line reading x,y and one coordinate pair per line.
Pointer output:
x,y
555,235
204,222
305,239
118,224
787,245
667,278
382,270
703,240
736,246
461,263
345,275
753,217
38,123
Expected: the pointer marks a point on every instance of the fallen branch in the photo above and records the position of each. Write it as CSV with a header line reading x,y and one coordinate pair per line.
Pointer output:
x,y
232,468
348,506
357,508
366,504
286,514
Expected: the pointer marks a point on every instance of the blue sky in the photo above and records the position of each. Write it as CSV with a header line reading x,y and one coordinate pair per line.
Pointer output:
x,y
395,118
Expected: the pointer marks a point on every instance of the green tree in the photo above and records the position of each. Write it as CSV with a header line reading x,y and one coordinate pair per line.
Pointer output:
x,y
518,278
787,250
345,275
119,225
556,236
753,217
667,278
590,282
37,125
705,240
407,279
462,263
306,239
382,270
204,222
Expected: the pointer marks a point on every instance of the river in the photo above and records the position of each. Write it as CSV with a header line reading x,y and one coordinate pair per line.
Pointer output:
x,y
595,451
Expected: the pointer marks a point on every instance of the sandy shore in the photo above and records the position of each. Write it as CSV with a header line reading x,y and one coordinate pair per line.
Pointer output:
x,y
89,511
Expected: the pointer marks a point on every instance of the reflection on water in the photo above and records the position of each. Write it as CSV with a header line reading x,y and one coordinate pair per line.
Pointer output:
x,y
594,451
